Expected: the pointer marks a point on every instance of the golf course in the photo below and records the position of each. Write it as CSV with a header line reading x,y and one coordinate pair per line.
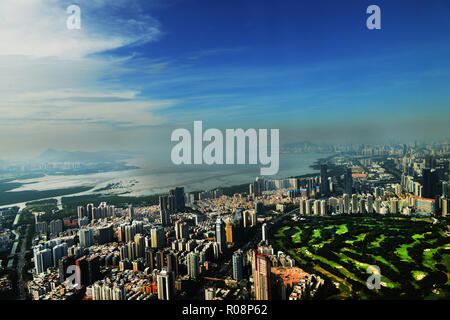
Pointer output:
x,y
412,254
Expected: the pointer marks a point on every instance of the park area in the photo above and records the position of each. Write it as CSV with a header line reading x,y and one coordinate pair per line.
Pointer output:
x,y
413,255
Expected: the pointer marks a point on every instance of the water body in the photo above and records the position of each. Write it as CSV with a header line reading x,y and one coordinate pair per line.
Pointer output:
x,y
154,179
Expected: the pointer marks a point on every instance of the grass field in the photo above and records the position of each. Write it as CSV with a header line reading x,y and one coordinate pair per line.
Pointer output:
x,y
413,255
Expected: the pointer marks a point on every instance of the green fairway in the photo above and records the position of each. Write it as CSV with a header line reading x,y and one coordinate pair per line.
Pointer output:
x,y
411,255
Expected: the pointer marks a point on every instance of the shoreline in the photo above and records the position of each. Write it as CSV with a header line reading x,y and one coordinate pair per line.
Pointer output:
x,y
96,197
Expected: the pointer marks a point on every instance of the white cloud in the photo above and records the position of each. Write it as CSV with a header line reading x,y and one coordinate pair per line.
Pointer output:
x,y
53,91
37,28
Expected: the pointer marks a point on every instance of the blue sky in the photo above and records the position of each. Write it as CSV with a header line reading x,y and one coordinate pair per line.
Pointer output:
x,y
138,69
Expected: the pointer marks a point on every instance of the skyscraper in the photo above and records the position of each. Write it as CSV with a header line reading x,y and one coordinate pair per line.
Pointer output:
x,y
86,237
259,207
165,218
323,208
229,230
220,233
264,231
238,265
324,180
166,284
193,262
93,264
82,271
429,183
56,226
105,234
181,230
370,203
354,203
348,182
176,199
63,266
130,211
158,237
261,270
59,251
139,241
42,259
163,203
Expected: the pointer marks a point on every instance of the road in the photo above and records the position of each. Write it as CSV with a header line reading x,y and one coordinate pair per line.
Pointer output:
x,y
20,264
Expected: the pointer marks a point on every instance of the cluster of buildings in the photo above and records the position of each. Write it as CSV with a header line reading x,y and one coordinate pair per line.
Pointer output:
x,y
205,245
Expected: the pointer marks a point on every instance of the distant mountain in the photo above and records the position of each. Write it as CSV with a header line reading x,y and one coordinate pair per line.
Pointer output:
x,y
300,144
52,155
305,146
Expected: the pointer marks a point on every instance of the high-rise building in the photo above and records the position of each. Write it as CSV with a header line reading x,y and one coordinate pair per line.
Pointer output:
x,y
163,203
309,207
166,284
82,271
394,206
253,219
445,189
130,232
259,207
86,236
105,234
316,207
324,180
245,219
81,212
370,204
181,230
229,230
302,208
42,259
139,241
172,264
346,203
193,261
362,206
165,218
348,182
90,211
429,183
56,226
264,231
41,227
59,251
378,205
261,270
238,265
220,233
130,211
354,203
176,200
149,260
445,207
158,237
63,266
119,292
93,264
323,208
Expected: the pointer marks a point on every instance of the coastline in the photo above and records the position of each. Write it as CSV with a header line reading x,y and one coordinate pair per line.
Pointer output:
x,y
89,195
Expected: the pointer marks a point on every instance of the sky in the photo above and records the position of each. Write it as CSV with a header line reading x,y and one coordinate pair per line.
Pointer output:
x,y
136,70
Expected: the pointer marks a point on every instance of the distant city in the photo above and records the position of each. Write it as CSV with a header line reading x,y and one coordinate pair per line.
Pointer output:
x,y
298,238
